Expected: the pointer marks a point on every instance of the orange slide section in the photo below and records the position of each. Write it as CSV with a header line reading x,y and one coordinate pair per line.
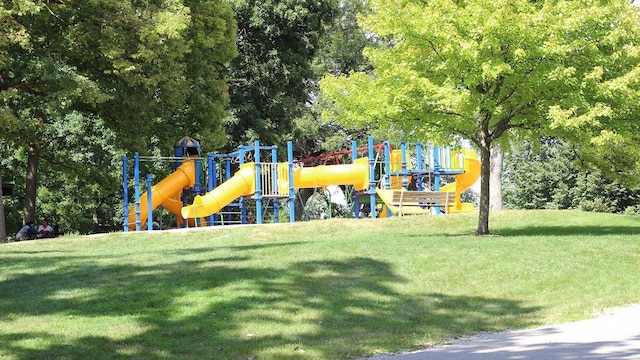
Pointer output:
x,y
242,183
165,192
464,181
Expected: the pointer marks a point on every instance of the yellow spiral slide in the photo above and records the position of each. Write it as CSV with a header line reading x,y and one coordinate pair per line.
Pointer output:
x,y
166,193
464,181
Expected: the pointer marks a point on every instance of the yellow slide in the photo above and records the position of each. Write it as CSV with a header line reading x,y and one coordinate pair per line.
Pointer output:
x,y
356,174
242,183
164,192
464,181
174,205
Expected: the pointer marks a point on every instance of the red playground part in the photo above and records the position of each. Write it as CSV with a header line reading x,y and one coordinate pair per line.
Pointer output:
x,y
325,158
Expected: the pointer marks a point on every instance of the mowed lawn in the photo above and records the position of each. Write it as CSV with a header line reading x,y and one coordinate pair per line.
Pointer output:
x,y
332,289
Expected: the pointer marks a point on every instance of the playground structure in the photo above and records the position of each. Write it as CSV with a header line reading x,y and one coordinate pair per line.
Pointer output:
x,y
375,173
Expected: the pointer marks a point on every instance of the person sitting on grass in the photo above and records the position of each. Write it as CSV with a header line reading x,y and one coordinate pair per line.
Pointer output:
x,y
23,233
45,230
156,223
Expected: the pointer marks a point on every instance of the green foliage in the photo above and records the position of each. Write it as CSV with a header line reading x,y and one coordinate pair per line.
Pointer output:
x,y
550,175
342,45
483,70
272,76
83,83
340,52
155,67
79,177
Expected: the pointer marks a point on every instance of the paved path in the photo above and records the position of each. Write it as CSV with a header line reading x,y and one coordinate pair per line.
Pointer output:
x,y
615,335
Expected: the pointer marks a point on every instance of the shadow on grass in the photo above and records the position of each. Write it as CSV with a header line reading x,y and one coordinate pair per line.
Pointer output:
x,y
571,230
328,309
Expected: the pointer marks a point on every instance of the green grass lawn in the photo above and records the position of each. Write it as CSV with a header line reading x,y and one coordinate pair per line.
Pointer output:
x,y
333,289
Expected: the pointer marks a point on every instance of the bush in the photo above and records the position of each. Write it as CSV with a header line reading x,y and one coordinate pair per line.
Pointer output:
x,y
632,210
597,205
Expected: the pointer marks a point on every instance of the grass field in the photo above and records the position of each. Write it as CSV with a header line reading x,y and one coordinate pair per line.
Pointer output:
x,y
333,289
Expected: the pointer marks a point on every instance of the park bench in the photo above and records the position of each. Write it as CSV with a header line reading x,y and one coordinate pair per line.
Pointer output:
x,y
416,202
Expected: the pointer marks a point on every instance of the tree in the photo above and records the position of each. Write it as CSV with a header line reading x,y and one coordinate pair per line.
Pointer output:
x,y
550,174
154,68
272,77
342,44
483,70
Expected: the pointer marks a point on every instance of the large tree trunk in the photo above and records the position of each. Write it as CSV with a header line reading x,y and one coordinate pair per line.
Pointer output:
x,y
483,216
3,228
32,186
495,184
484,143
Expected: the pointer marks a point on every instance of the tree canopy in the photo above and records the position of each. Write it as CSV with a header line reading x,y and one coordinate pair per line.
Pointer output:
x,y
272,76
550,174
82,82
484,70
152,66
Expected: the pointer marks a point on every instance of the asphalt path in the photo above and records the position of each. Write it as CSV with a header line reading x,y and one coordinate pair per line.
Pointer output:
x,y
614,335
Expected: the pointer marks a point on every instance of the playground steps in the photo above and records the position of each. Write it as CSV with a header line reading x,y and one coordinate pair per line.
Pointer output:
x,y
404,202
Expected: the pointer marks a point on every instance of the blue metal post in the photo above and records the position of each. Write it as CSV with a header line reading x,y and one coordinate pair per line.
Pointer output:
x,y
436,172
211,183
258,195
292,190
405,180
419,184
199,184
136,179
387,165
387,170
149,205
227,176
242,149
419,160
372,179
436,168
356,200
274,183
125,188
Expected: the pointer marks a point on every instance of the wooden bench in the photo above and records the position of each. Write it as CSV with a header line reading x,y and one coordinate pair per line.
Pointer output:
x,y
422,199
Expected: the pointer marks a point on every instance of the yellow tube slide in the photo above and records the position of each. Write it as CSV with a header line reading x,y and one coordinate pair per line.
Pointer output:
x,y
167,188
464,181
174,205
242,183
356,174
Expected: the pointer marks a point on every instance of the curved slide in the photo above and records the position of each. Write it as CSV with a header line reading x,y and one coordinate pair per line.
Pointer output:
x,y
242,183
464,181
164,193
